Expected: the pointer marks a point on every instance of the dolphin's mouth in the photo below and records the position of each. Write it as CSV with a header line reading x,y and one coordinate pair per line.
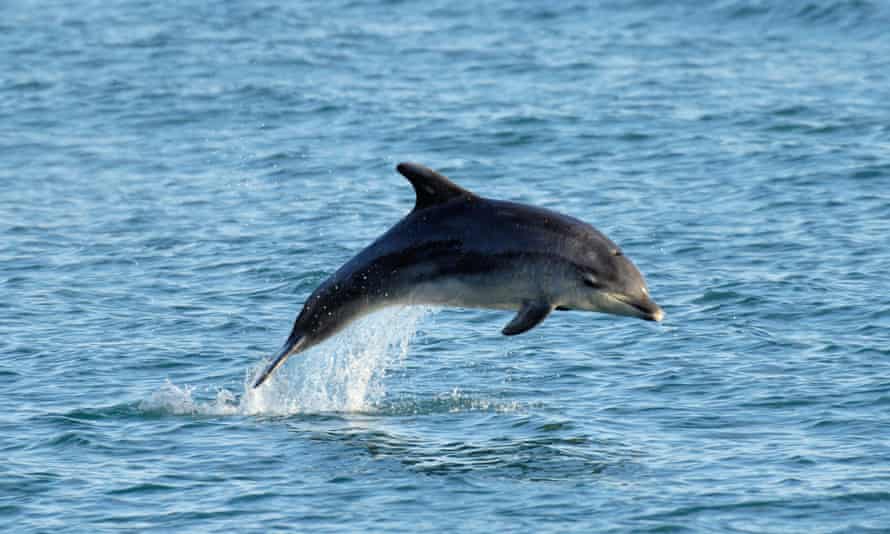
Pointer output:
x,y
644,308
651,313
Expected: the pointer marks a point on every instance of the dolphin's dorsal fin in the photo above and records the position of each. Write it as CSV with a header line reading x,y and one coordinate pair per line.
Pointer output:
x,y
529,316
431,187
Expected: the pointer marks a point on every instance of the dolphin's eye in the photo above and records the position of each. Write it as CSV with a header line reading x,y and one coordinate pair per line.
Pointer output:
x,y
617,252
592,283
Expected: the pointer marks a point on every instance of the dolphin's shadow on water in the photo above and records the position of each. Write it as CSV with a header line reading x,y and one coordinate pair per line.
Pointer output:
x,y
528,450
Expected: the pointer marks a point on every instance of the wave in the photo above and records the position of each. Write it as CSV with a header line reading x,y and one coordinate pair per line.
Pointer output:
x,y
862,17
842,13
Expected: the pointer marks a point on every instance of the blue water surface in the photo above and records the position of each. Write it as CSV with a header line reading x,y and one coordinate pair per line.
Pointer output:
x,y
176,178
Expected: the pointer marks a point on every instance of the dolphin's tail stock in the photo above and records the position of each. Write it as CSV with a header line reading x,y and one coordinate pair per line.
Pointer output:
x,y
295,343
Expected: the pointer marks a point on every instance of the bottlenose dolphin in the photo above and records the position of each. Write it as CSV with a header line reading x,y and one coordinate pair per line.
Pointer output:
x,y
458,249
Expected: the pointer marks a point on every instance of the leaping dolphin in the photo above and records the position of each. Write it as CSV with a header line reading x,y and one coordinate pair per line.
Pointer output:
x,y
458,249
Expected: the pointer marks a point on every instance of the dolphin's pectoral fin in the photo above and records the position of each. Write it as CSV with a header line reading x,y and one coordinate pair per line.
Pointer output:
x,y
529,316
430,187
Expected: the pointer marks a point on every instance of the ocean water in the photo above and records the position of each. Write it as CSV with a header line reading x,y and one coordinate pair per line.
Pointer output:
x,y
175,179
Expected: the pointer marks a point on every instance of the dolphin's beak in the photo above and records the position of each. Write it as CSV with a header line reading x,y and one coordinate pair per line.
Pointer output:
x,y
293,345
655,312
644,307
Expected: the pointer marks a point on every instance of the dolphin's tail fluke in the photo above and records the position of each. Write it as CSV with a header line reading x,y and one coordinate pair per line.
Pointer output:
x,y
295,343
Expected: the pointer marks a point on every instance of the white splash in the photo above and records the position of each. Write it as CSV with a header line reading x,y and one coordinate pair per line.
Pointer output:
x,y
177,400
345,374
